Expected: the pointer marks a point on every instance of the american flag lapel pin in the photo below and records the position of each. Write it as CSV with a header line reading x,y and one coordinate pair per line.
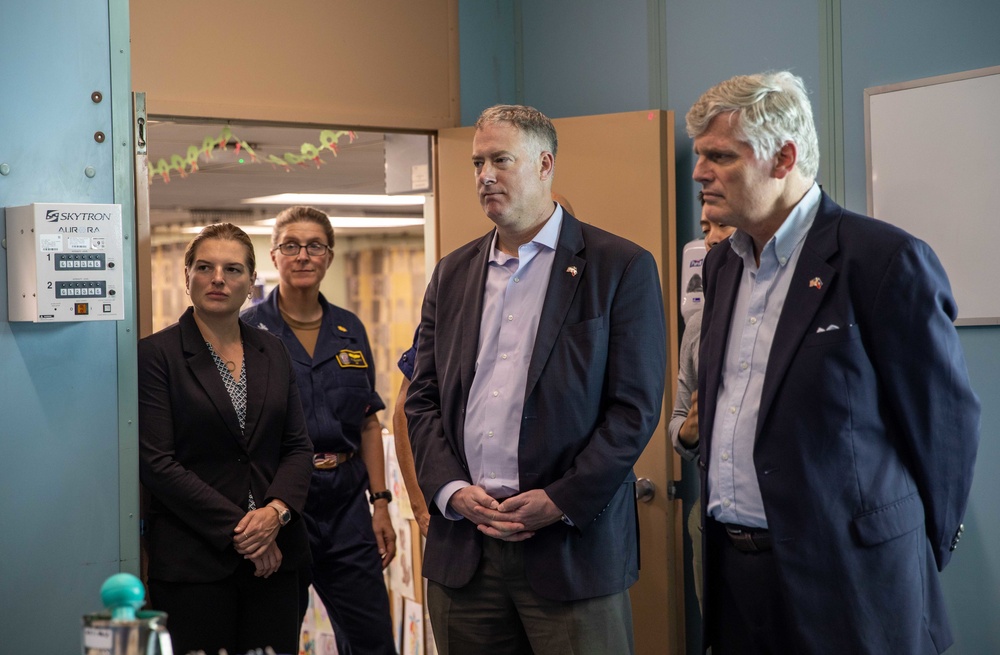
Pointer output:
x,y
816,282
571,270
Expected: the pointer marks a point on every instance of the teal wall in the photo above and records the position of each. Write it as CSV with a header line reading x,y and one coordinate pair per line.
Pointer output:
x,y
61,445
489,65
590,57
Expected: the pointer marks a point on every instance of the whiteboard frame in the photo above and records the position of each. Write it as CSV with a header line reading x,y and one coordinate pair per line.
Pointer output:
x,y
869,93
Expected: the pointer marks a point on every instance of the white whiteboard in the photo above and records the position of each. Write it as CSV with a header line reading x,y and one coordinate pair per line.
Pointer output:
x,y
933,156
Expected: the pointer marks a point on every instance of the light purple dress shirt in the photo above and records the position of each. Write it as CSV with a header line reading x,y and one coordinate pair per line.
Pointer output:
x,y
733,490
512,305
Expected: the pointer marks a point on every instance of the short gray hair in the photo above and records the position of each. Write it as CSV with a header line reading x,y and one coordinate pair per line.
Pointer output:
x,y
528,120
771,109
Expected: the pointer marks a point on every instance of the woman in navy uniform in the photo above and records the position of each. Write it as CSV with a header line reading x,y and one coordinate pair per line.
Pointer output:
x,y
336,377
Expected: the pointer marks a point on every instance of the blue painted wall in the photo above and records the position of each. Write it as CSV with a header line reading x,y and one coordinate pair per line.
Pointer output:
x,y
586,57
59,404
488,61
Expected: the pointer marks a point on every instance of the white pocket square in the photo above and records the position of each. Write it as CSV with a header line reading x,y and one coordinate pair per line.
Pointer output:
x,y
827,328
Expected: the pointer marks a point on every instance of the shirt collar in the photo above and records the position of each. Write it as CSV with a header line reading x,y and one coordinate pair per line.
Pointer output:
x,y
788,237
548,236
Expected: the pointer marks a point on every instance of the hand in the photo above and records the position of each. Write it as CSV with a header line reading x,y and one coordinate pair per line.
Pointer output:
x,y
384,534
532,510
423,518
482,509
688,434
268,562
255,532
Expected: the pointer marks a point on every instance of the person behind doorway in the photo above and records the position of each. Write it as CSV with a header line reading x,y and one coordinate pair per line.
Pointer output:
x,y
225,457
538,382
838,427
332,357
683,426
401,441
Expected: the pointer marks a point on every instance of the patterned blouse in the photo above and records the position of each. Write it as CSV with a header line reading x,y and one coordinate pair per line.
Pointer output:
x,y
237,394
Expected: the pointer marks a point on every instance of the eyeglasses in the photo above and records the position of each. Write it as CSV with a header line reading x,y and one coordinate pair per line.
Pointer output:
x,y
313,248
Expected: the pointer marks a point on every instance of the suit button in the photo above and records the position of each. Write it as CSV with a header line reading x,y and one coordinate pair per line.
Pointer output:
x,y
957,537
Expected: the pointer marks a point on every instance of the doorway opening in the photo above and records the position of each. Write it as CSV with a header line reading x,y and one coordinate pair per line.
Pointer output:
x,y
375,186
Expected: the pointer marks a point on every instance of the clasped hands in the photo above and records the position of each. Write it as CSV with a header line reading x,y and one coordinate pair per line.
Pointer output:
x,y
515,519
254,538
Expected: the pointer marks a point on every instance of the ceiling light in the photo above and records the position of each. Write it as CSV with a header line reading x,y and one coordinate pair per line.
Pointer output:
x,y
330,199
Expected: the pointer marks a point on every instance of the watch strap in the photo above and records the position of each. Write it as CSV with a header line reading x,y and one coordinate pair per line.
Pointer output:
x,y
385,494
284,515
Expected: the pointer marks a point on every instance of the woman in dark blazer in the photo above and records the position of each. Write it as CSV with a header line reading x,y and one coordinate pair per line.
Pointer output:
x,y
226,459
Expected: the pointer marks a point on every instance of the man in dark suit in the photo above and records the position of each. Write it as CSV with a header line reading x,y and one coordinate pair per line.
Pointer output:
x,y
839,429
539,380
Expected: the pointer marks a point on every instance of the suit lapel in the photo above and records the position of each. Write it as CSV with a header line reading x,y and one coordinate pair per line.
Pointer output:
x,y
472,306
258,366
558,296
715,334
811,280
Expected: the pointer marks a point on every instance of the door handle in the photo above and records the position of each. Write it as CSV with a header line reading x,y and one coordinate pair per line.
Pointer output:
x,y
645,489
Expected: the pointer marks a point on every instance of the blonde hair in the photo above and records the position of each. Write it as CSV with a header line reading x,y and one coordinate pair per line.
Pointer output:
x,y
301,214
224,232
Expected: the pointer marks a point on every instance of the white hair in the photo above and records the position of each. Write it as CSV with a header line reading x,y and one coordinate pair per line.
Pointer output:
x,y
771,109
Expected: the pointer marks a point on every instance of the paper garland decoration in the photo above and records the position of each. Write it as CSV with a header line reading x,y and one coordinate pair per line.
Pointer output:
x,y
185,164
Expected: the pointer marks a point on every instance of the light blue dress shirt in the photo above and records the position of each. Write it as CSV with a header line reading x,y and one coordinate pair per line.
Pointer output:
x,y
512,305
733,490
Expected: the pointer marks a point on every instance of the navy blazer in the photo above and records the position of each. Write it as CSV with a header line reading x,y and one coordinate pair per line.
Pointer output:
x,y
866,437
196,464
593,398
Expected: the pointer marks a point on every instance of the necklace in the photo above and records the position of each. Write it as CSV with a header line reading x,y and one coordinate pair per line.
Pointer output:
x,y
302,325
230,364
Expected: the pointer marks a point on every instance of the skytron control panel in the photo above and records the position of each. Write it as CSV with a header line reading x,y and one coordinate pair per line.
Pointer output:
x,y
64,263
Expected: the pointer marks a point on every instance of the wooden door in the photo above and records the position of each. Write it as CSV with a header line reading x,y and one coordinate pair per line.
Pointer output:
x,y
617,171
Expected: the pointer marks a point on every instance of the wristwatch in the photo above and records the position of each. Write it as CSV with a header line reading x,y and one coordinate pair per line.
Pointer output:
x,y
379,495
284,515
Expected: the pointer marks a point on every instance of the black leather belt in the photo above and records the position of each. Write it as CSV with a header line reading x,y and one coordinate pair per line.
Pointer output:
x,y
748,540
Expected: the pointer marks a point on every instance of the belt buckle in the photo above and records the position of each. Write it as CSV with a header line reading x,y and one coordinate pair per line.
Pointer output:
x,y
326,461
744,540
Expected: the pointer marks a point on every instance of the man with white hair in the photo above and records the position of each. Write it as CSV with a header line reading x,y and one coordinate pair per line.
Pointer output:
x,y
838,427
